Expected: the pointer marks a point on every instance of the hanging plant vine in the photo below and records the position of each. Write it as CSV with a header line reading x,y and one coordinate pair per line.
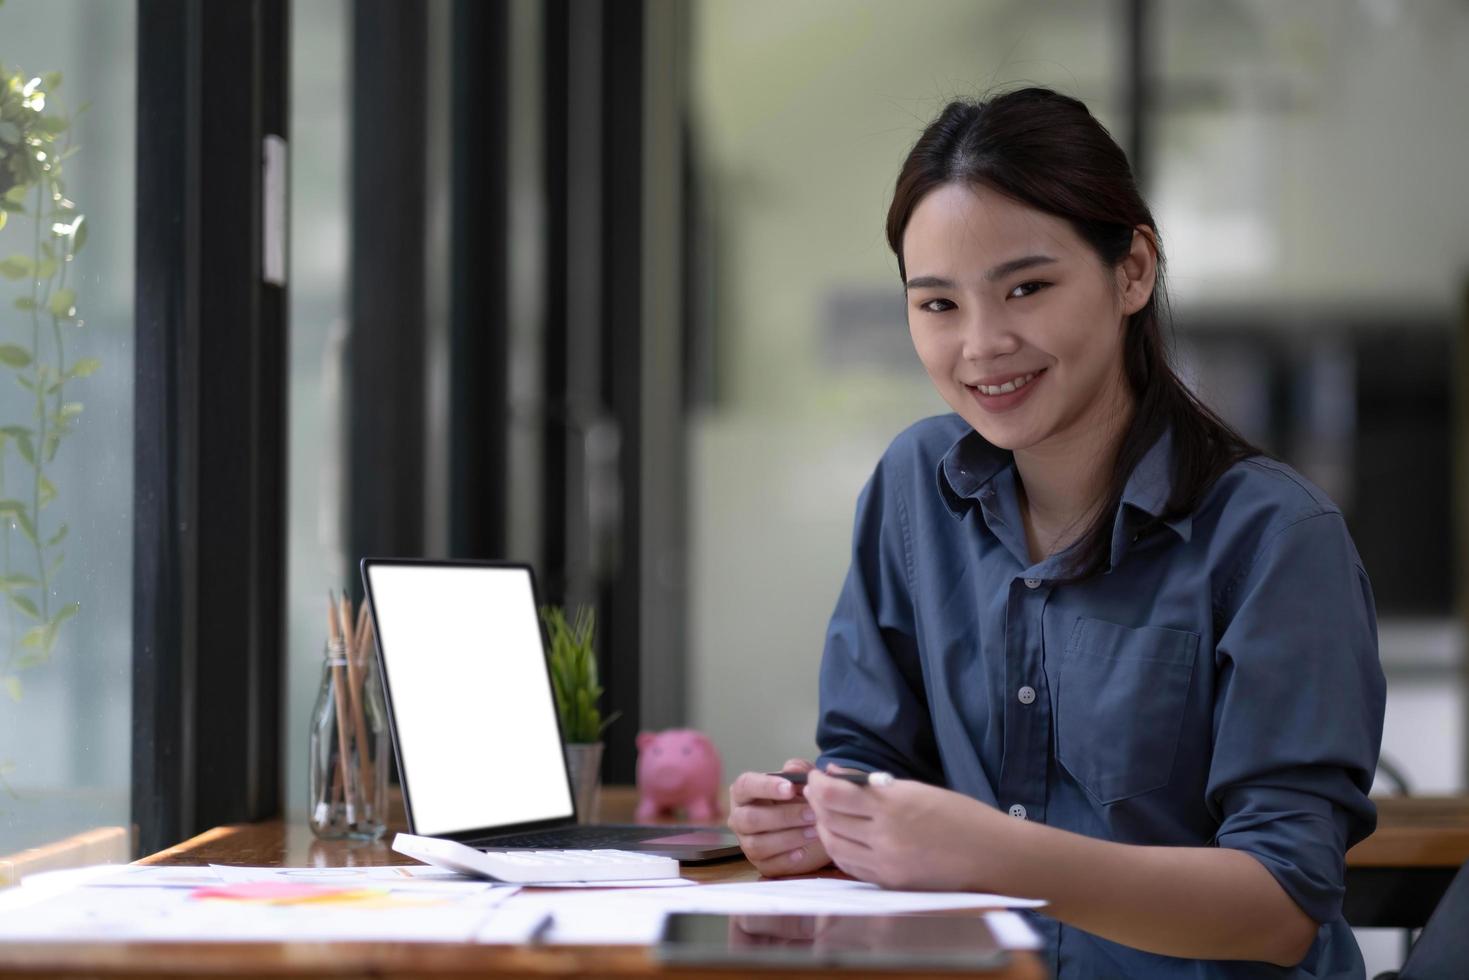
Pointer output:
x,y
35,140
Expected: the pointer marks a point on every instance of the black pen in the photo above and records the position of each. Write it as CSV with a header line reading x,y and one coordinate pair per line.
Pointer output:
x,y
541,930
860,778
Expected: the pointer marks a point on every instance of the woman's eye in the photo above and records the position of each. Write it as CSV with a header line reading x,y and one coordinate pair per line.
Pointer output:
x,y
935,306
1026,288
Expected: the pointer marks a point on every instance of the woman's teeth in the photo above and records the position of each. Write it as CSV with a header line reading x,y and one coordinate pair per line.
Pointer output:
x,y
1008,386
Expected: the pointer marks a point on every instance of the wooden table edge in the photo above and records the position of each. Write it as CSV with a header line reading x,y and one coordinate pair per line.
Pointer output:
x,y
179,960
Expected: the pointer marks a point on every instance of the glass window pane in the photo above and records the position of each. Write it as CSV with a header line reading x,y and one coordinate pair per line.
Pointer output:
x,y
320,128
1312,150
803,114
67,103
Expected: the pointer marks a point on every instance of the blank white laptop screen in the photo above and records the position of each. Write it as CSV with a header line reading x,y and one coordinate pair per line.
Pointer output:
x,y
472,702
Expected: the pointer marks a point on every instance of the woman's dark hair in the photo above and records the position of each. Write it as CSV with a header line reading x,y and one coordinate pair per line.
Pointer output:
x,y
1046,150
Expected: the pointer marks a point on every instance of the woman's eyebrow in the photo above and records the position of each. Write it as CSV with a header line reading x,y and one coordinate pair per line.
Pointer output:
x,y
1015,265
928,282
998,272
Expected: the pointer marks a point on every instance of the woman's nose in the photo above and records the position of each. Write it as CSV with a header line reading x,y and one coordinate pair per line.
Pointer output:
x,y
986,337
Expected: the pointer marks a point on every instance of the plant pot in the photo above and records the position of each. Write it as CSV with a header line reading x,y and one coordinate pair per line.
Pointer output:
x,y
584,760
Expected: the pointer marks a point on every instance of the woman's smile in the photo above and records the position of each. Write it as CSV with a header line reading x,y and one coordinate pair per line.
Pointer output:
x,y
1007,396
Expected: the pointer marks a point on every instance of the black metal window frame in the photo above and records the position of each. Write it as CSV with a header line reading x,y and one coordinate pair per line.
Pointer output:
x,y
210,411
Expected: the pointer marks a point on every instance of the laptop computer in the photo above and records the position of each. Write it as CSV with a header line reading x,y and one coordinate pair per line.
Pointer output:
x,y
473,715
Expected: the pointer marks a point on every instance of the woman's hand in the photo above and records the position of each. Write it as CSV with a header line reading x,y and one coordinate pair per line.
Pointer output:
x,y
905,835
775,825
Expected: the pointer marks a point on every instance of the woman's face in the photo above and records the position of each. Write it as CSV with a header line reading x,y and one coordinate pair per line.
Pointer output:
x,y
1014,316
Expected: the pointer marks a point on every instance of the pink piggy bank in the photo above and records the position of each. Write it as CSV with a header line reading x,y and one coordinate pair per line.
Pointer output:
x,y
677,768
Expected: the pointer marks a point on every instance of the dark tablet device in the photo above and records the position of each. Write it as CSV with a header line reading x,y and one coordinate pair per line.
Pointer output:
x,y
868,942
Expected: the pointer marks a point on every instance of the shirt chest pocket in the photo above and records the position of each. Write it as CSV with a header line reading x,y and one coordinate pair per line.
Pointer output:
x,y
1120,700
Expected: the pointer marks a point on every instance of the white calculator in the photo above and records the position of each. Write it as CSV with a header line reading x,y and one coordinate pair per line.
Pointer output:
x,y
535,867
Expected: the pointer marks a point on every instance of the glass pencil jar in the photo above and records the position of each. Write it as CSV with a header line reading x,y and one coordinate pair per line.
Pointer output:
x,y
348,771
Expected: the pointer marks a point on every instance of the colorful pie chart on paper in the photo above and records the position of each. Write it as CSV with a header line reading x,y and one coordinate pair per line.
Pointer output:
x,y
289,893
302,895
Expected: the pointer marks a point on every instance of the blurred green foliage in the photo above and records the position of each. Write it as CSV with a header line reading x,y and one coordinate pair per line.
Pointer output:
x,y
43,225
573,664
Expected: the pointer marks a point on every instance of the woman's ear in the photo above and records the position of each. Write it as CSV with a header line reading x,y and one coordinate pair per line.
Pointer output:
x,y
1138,270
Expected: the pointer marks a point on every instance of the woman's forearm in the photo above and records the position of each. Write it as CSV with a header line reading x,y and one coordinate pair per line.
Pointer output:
x,y
1197,902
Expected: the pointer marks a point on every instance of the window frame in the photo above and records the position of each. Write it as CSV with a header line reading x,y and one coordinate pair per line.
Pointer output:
x,y
210,411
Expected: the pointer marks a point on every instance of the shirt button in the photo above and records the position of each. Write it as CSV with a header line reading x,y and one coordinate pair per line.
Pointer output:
x,y
1026,694
1032,583
1017,811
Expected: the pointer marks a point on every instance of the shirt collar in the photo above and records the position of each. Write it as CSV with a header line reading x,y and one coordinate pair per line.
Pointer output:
x,y
1146,495
972,462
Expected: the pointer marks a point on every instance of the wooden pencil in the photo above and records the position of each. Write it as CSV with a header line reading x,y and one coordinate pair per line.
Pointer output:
x,y
344,616
337,653
366,659
367,641
354,688
363,623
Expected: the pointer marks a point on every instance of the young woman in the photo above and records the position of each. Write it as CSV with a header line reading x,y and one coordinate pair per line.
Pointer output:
x,y
1117,658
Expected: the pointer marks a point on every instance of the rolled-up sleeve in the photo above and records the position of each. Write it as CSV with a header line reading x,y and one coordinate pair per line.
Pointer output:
x,y
874,712
1298,710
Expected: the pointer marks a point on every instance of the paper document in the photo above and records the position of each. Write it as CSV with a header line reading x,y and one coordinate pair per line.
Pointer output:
x,y
639,883
148,876
400,878
577,918
420,904
36,886
831,895
637,916
1011,930
138,903
336,876
415,877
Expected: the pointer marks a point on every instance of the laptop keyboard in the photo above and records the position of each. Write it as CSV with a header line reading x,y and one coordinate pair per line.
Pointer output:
x,y
572,837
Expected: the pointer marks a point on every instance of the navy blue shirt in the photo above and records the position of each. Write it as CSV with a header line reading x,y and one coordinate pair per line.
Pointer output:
x,y
1218,685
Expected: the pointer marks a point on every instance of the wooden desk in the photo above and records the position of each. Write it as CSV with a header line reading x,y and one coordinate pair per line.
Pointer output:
x,y
1396,876
275,843
1393,879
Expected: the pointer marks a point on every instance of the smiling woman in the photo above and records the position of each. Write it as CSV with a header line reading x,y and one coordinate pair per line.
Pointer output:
x,y
1056,199
992,339
1119,659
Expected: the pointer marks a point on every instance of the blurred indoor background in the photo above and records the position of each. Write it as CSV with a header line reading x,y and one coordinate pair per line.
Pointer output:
x,y
603,286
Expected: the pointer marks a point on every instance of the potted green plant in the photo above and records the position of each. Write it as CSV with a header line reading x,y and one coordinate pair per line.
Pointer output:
x,y
573,662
